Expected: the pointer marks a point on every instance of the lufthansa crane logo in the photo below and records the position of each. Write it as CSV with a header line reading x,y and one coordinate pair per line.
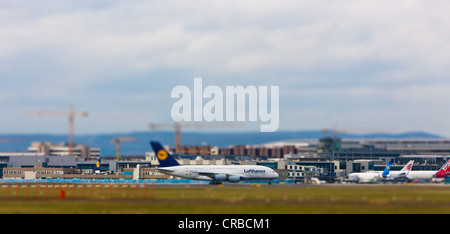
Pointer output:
x,y
162,155
98,164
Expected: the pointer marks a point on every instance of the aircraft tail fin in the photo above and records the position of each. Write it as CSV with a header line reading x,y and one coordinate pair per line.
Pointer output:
x,y
165,158
97,165
408,167
387,169
444,171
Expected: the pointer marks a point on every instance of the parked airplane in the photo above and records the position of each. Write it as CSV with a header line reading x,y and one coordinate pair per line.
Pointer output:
x,y
370,176
403,173
428,175
213,173
97,166
444,171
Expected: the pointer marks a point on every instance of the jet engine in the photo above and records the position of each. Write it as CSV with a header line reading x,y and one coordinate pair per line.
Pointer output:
x,y
234,178
220,177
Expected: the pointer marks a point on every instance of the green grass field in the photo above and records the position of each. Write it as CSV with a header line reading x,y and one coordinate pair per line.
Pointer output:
x,y
227,199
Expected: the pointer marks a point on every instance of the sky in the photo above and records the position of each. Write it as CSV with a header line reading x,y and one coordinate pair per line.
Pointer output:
x,y
378,66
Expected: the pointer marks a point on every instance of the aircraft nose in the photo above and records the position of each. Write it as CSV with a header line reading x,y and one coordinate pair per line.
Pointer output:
x,y
275,174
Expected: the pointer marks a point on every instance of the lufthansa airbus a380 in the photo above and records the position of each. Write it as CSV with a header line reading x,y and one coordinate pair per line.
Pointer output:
x,y
213,173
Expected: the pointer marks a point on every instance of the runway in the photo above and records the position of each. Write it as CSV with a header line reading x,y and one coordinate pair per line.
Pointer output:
x,y
227,198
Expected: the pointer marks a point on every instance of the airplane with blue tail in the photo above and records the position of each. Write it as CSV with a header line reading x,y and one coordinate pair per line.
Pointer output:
x,y
371,176
97,166
214,173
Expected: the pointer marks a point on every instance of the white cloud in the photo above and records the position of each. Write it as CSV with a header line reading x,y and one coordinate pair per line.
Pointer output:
x,y
289,35
351,52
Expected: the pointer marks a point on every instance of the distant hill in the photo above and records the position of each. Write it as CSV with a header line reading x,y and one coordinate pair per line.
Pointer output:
x,y
21,142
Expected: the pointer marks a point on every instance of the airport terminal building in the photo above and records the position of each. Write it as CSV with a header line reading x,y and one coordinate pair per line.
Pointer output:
x,y
328,159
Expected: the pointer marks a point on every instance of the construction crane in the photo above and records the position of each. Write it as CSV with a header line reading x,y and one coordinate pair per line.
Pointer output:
x,y
177,126
337,130
71,114
117,141
3,140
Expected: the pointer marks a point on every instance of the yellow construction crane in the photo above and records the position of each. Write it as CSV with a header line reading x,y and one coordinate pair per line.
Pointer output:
x,y
8,140
335,131
117,141
177,126
71,114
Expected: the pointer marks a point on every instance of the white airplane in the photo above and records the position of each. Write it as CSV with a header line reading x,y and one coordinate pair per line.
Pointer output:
x,y
370,176
403,173
97,166
428,175
213,173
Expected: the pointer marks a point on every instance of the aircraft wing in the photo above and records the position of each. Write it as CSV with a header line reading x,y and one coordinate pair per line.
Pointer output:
x,y
401,174
210,174
164,170
214,175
